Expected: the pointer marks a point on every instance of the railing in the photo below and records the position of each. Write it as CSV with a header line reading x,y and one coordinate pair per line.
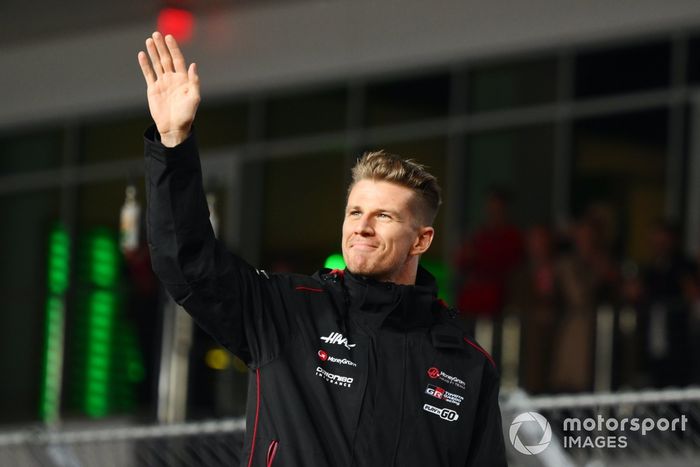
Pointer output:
x,y
606,429
597,441
210,444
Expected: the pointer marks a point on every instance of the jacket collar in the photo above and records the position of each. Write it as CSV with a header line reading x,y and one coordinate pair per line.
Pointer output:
x,y
376,303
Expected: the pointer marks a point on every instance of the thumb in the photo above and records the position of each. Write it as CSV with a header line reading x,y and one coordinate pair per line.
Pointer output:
x,y
192,73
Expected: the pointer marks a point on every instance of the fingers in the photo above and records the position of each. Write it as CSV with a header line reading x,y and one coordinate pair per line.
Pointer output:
x,y
176,54
146,69
155,58
192,74
165,57
166,60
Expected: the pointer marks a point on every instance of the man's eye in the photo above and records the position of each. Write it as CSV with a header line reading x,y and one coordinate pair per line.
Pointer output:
x,y
384,215
354,213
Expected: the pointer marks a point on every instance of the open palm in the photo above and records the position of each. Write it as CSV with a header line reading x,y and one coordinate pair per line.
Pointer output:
x,y
173,89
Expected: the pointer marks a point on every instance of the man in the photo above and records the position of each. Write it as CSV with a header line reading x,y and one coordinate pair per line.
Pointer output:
x,y
362,367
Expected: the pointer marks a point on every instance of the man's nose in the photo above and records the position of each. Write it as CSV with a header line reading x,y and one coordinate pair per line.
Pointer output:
x,y
364,226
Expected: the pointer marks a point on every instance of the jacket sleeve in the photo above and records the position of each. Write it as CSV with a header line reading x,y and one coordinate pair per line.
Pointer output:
x,y
243,308
487,448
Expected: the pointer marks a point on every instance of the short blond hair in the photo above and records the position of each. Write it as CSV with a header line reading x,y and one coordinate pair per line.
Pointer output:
x,y
384,166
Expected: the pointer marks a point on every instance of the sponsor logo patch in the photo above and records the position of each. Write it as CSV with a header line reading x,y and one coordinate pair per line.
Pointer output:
x,y
337,338
446,414
340,380
324,356
439,393
436,373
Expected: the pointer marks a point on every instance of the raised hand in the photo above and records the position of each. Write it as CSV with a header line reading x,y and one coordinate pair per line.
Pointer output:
x,y
173,89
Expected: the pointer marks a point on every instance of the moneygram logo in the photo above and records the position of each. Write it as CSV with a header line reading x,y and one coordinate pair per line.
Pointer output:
x,y
324,356
435,373
529,417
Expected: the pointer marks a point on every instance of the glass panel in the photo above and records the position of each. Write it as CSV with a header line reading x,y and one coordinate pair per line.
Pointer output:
x,y
408,100
316,111
622,70
620,172
514,84
114,139
693,62
28,220
220,125
303,211
25,152
517,160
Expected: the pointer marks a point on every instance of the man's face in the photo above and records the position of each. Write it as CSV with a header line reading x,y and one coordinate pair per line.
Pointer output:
x,y
381,231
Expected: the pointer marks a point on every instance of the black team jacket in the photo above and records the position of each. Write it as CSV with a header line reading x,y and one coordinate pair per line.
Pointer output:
x,y
345,371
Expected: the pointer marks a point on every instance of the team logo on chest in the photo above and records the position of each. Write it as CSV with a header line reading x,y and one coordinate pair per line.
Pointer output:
x,y
436,373
337,338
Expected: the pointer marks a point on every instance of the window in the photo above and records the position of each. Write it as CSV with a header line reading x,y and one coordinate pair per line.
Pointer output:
x,y
30,151
622,70
519,160
406,100
620,172
512,84
305,113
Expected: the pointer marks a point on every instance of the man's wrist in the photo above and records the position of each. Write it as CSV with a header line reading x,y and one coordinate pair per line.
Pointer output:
x,y
173,138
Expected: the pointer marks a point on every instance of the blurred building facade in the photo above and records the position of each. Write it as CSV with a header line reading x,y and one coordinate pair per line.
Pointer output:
x,y
580,111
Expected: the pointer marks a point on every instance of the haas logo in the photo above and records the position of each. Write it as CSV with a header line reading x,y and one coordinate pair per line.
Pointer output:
x,y
337,338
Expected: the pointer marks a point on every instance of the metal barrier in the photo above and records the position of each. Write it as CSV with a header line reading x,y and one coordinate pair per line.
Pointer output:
x,y
210,444
606,429
584,430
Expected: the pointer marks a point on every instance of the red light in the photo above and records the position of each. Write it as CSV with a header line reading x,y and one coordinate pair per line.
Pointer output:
x,y
176,21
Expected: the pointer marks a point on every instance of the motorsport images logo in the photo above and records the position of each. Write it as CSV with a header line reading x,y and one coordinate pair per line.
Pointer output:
x,y
534,448
595,432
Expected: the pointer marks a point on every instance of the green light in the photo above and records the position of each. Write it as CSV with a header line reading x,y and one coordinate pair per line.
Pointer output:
x,y
58,276
104,259
101,316
58,261
108,360
441,274
335,261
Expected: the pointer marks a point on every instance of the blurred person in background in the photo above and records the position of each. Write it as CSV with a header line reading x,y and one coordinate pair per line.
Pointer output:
x,y
363,366
691,290
486,260
587,275
668,289
534,294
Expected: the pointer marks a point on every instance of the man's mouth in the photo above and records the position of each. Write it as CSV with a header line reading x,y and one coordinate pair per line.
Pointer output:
x,y
363,246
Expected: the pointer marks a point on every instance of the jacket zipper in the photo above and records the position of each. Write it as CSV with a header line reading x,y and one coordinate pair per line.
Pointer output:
x,y
403,399
272,452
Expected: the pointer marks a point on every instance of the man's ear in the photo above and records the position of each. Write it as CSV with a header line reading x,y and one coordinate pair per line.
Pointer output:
x,y
422,241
